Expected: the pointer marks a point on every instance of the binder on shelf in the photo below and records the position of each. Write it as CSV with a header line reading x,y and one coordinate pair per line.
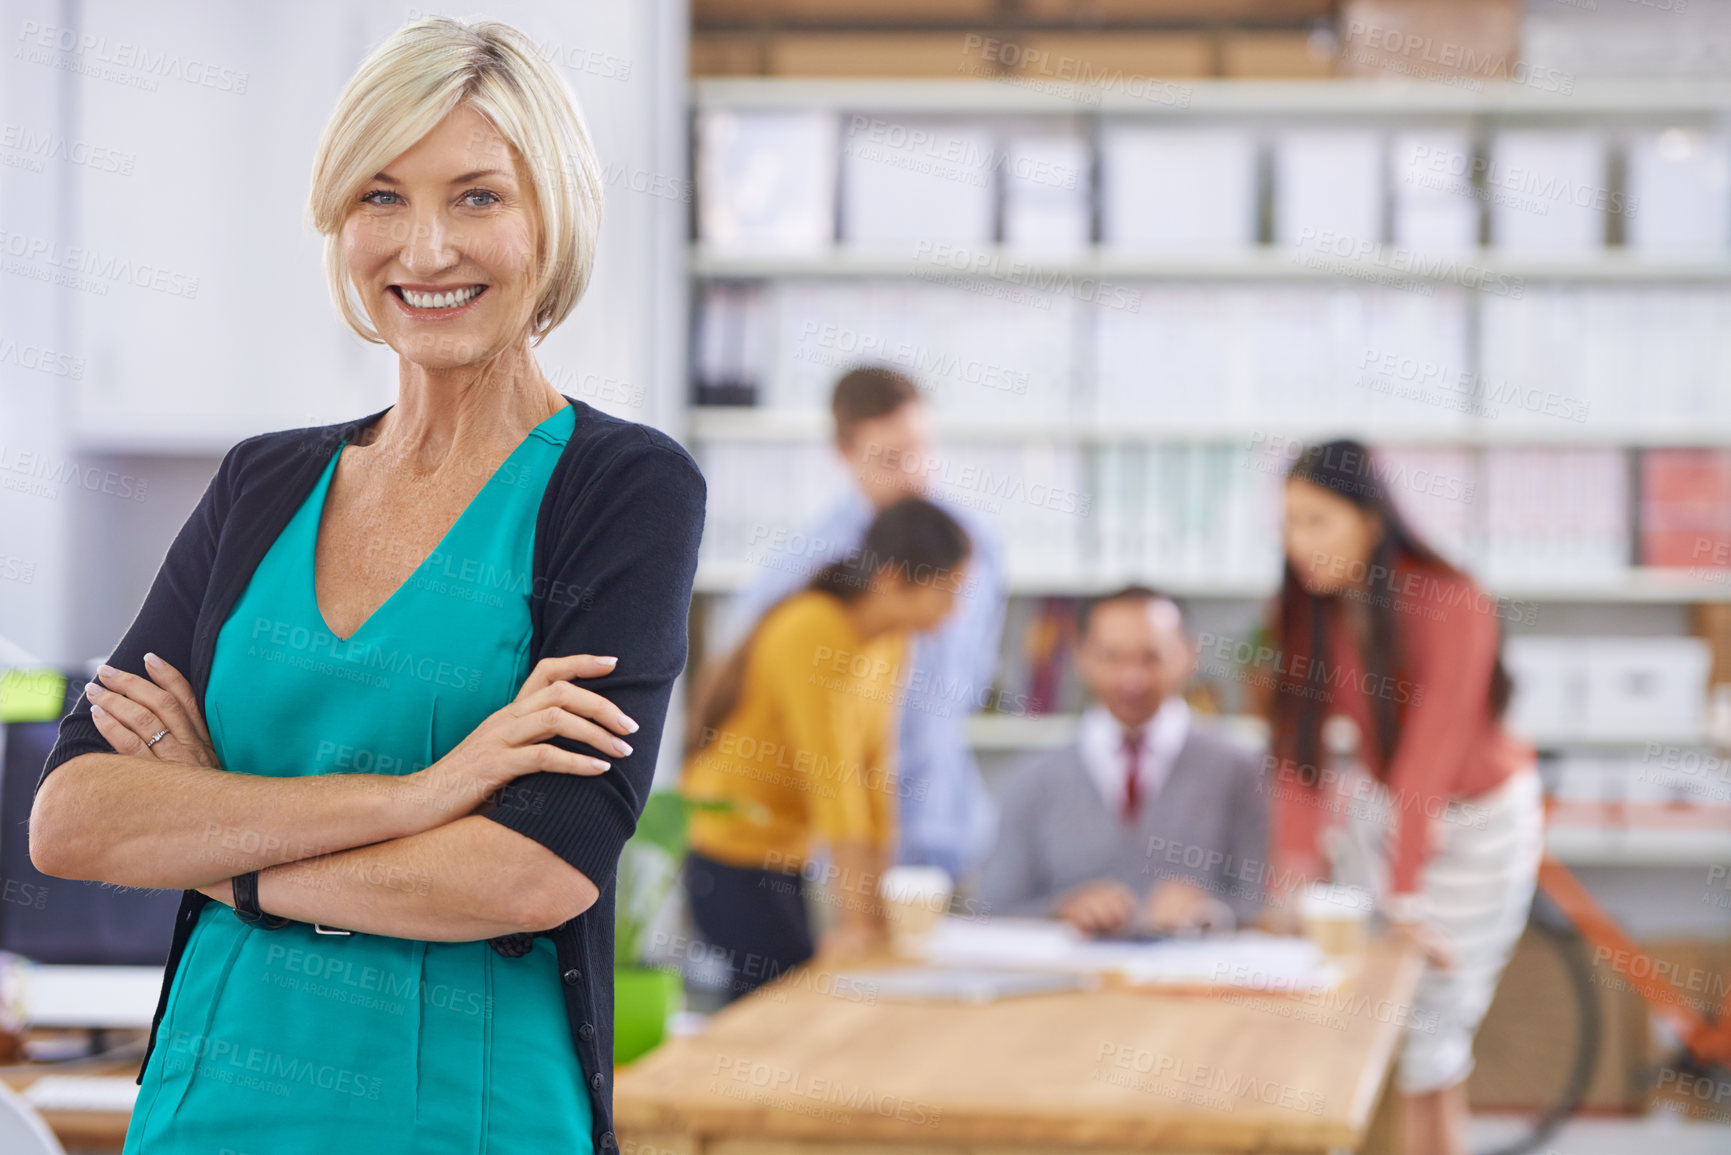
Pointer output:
x,y
914,181
1547,191
1679,186
1609,688
766,181
1685,509
1268,356
977,356
1562,358
1434,205
1178,188
1034,492
729,353
1328,184
1435,490
1555,515
1048,189
763,496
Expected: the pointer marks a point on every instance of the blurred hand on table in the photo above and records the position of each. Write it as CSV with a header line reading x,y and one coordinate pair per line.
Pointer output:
x,y
1176,905
1098,907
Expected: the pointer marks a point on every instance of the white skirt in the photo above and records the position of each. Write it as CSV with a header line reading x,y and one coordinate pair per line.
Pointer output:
x,y
1478,887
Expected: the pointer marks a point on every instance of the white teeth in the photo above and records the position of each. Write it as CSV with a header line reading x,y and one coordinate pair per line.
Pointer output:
x,y
441,300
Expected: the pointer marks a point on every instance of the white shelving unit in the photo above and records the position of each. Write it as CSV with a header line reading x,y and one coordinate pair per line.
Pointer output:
x,y
1271,264
1637,599
1269,108
1637,846
1381,99
738,423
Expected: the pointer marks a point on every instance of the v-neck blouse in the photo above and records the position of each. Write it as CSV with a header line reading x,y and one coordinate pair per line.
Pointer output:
x,y
518,470
451,642
437,1044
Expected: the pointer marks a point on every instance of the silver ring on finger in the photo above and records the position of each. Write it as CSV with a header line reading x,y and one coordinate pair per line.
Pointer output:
x,y
155,738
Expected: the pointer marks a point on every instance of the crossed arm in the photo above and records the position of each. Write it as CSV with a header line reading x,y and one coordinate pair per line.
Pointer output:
x,y
514,834
466,880
406,856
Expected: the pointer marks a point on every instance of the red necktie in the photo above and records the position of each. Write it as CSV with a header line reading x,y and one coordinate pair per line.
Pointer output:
x,y
1132,774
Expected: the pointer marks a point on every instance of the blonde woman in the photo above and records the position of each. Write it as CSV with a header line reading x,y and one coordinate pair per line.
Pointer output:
x,y
372,715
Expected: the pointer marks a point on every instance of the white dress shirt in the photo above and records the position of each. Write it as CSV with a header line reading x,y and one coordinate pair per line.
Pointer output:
x,y
1102,742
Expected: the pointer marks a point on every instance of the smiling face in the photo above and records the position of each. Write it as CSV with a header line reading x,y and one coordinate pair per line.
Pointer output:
x,y
441,245
1134,655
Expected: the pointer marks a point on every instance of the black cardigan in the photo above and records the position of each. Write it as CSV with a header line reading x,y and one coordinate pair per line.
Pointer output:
x,y
615,554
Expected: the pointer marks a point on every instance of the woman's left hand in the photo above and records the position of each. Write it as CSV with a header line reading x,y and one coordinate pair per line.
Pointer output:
x,y
1425,938
128,710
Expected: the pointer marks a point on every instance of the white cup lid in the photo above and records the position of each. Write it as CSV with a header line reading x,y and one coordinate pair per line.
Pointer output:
x,y
902,883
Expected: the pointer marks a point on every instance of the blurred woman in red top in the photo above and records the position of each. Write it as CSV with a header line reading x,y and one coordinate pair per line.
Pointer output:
x,y
1397,651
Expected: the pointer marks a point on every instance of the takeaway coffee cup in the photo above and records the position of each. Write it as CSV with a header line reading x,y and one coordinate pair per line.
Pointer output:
x,y
915,897
1336,917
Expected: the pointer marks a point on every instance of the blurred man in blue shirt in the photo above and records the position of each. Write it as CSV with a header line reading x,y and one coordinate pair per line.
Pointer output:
x,y
885,435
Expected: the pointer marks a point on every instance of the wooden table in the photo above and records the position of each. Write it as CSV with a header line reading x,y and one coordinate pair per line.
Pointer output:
x,y
802,1066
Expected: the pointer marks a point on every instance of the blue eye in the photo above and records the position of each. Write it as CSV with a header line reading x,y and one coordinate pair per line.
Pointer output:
x,y
367,197
481,192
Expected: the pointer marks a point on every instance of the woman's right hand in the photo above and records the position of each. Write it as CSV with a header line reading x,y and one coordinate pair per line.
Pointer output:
x,y
1425,938
128,710
511,741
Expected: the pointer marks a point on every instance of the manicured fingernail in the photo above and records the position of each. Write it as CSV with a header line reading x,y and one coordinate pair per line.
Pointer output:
x,y
95,709
107,671
630,726
622,745
92,688
608,661
152,661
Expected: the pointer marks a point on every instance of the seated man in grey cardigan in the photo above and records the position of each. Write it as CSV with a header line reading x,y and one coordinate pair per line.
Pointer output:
x,y
1146,820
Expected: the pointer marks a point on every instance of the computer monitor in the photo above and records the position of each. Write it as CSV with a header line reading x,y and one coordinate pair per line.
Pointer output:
x,y
53,920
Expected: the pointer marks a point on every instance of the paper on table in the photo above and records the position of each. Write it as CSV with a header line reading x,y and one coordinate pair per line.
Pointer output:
x,y
959,985
1246,960
1002,942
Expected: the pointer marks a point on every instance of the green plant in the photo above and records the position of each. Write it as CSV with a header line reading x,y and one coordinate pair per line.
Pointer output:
x,y
649,864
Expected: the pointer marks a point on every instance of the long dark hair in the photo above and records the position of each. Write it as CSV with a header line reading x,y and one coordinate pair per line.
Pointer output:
x,y
1348,469
917,539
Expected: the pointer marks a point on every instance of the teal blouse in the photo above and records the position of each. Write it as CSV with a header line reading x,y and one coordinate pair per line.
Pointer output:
x,y
289,1041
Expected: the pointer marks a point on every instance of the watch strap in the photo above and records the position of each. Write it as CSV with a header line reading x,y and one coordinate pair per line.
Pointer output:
x,y
246,902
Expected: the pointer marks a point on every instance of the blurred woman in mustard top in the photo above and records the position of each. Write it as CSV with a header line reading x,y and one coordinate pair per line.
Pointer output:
x,y
797,729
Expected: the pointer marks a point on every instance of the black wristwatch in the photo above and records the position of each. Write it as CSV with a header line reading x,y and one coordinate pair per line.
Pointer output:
x,y
246,902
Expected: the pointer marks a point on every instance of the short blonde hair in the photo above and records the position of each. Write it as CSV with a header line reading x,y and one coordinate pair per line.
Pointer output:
x,y
413,81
